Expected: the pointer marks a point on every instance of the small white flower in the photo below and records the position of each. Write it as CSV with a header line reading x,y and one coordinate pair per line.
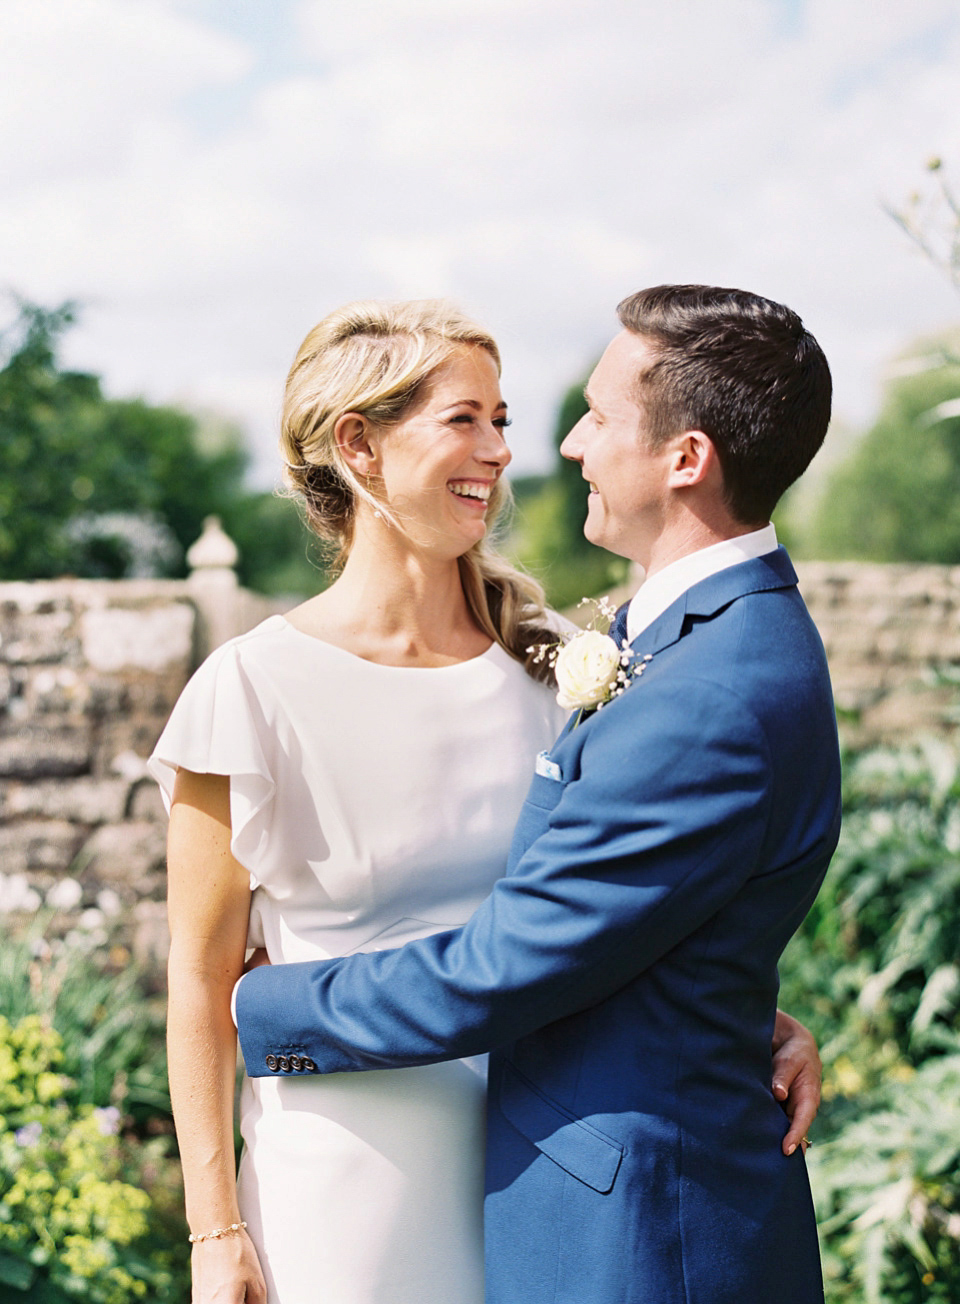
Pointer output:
x,y
586,670
109,902
108,1120
65,895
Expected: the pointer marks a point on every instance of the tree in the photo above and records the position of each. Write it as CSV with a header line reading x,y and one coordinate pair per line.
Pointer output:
x,y
893,497
550,541
897,496
103,487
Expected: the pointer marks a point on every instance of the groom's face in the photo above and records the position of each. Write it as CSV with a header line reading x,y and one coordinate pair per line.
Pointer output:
x,y
627,476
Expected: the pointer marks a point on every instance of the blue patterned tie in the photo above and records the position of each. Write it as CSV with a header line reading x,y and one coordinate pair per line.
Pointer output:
x,y
618,629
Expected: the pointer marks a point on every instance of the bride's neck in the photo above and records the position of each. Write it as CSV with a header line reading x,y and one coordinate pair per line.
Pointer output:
x,y
395,603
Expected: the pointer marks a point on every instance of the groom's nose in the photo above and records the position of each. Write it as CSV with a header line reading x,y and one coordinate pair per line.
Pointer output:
x,y
571,447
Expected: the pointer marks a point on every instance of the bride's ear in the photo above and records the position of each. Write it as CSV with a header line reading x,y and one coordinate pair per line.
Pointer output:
x,y
357,445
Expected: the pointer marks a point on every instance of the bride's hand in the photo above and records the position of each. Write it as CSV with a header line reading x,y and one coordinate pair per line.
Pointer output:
x,y
226,1270
797,1074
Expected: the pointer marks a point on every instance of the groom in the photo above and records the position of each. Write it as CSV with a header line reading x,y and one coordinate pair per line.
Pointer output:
x,y
624,970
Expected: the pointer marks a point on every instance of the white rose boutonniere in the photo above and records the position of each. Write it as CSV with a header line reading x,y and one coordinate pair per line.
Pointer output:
x,y
590,669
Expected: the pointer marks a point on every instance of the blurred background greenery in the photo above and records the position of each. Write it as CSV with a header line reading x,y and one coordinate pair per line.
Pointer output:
x,y
111,488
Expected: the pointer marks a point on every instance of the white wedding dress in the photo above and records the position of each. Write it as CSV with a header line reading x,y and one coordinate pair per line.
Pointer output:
x,y
371,804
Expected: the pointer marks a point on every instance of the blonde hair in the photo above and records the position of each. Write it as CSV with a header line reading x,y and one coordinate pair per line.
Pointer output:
x,y
375,358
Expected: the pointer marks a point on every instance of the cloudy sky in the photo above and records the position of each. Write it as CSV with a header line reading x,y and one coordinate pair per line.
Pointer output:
x,y
209,177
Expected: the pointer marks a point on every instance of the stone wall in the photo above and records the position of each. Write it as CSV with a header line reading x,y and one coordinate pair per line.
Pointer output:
x,y
892,636
90,670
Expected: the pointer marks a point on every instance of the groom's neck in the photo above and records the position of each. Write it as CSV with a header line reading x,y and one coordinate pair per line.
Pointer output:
x,y
688,534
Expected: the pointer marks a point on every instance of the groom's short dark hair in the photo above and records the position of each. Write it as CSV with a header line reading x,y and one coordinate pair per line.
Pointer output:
x,y
746,372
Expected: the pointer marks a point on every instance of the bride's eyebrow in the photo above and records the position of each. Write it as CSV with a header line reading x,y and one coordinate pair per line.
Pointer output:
x,y
472,403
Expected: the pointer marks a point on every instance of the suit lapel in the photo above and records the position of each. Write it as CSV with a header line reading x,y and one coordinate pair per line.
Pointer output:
x,y
703,600
710,596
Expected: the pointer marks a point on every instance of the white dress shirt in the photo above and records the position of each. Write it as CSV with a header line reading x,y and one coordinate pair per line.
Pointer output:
x,y
663,587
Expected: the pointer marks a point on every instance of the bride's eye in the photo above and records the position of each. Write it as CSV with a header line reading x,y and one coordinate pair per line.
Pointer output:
x,y
502,422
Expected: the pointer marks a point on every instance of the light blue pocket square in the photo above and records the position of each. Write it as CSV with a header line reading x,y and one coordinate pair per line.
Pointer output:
x,y
548,769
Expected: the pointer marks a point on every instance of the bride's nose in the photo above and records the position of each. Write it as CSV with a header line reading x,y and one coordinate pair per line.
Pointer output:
x,y
493,449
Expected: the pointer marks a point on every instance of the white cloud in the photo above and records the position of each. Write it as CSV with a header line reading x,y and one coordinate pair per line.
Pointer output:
x,y
533,160
80,78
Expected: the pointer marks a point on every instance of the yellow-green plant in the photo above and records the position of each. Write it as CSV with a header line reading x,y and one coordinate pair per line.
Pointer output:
x,y
70,1227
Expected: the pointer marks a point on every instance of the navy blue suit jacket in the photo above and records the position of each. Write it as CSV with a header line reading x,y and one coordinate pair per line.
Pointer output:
x,y
624,972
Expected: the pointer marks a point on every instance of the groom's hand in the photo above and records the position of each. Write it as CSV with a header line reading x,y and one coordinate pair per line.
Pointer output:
x,y
797,1074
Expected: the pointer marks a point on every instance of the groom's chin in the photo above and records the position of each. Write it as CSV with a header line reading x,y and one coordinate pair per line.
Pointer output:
x,y
592,528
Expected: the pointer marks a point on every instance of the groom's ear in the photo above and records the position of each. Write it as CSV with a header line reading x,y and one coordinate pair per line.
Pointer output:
x,y
357,446
693,460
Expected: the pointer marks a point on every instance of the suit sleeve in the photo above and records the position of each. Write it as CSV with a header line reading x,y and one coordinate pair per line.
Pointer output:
x,y
661,827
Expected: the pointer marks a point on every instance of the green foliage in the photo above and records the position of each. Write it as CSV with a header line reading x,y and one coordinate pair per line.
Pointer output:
x,y
104,487
90,1188
549,539
875,972
888,1194
897,496
278,554
102,1006
67,1216
894,497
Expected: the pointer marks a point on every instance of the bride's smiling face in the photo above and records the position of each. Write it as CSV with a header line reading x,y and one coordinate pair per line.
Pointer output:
x,y
438,466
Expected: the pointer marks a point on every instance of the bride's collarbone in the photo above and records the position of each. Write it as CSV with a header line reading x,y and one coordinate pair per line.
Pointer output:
x,y
393,649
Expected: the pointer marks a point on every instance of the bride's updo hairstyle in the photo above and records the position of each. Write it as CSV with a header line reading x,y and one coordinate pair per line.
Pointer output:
x,y
375,359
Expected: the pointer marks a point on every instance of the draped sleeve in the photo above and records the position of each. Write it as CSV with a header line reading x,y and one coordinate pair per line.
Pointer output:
x,y
218,727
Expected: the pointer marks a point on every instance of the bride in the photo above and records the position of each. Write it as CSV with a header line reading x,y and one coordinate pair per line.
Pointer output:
x,y
323,772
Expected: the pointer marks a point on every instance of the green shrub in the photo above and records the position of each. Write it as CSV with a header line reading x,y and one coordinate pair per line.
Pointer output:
x,y
106,1010
875,972
888,1194
90,1189
69,1223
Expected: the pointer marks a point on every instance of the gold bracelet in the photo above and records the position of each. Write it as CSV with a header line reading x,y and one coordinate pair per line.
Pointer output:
x,y
216,1233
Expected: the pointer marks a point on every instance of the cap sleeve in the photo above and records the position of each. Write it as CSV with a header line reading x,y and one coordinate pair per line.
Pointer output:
x,y
217,727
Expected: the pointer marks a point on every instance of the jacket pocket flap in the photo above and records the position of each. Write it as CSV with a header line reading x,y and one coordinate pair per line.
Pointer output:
x,y
578,1148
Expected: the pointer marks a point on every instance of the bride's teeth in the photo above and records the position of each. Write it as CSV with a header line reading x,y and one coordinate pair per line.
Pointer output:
x,y
480,491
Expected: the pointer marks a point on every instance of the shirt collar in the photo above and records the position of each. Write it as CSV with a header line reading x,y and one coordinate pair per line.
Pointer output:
x,y
663,588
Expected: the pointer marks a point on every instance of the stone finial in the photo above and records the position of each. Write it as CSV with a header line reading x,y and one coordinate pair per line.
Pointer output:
x,y
214,550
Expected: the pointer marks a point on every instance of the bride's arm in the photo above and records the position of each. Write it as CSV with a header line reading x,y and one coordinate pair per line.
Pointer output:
x,y
209,906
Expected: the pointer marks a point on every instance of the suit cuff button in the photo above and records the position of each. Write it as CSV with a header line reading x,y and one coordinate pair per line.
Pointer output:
x,y
308,1064
272,1063
296,1063
283,1064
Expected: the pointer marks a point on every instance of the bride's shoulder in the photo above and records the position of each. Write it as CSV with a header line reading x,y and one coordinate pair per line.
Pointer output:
x,y
261,641
261,646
